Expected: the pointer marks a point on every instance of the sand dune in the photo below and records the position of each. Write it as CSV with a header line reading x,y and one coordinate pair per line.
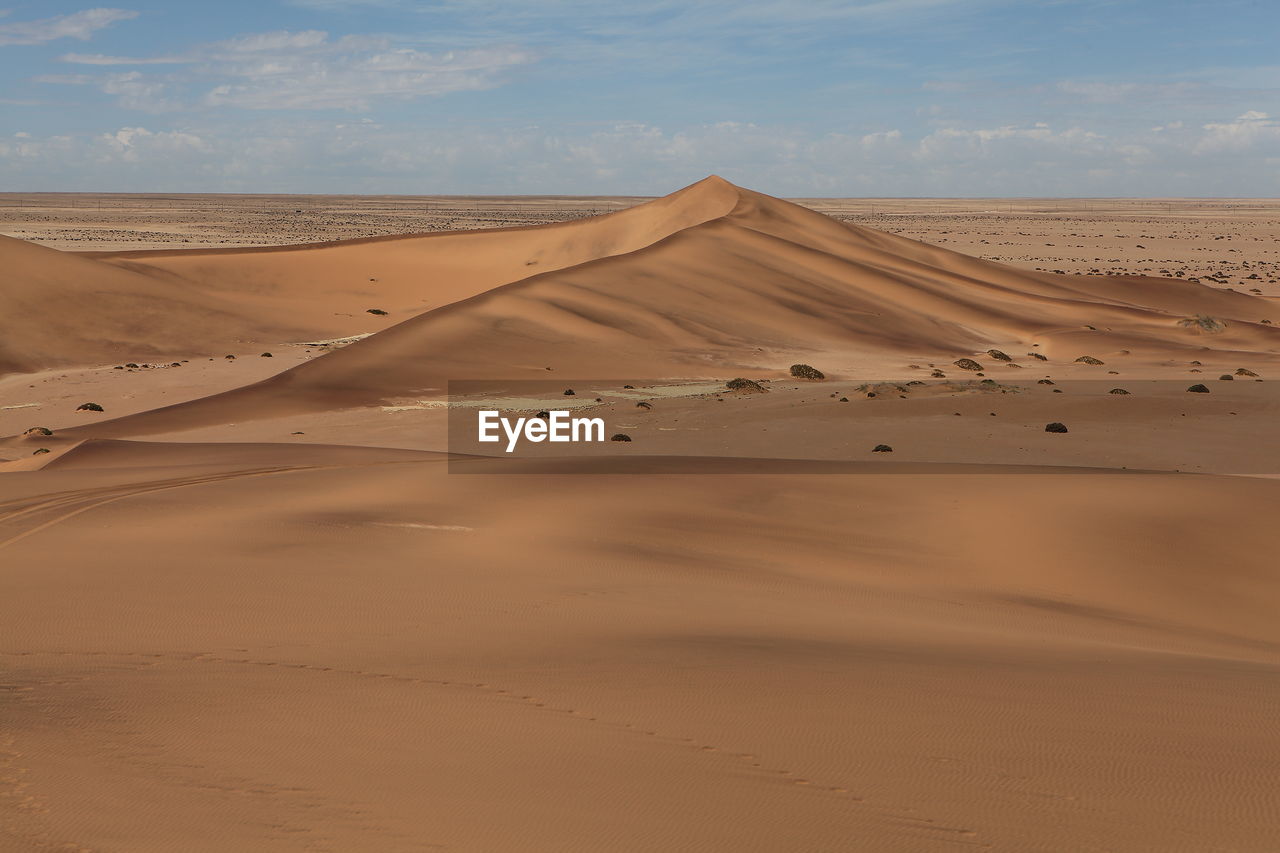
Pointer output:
x,y
260,634
386,656
740,283
64,308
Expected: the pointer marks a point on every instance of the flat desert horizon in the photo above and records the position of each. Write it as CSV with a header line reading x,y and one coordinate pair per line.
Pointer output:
x,y
265,588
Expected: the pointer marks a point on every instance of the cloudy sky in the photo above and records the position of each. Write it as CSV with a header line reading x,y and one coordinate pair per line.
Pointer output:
x,y
791,97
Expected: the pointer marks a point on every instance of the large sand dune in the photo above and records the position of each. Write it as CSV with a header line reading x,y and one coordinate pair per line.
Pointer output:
x,y
253,633
709,280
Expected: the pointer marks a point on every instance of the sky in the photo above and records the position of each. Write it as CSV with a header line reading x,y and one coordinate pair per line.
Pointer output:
x,y
868,98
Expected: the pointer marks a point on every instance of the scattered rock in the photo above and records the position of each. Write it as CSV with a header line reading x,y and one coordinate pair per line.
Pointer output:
x,y
1055,427
643,405
882,448
264,355
804,371
1117,391
1088,359
967,364
844,399
229,357
568,392
622,436
1244,371
39,431
1045,382
998,356
88,407
39,450
377,311
1226,377
1198,389
938,374
543,414
132,364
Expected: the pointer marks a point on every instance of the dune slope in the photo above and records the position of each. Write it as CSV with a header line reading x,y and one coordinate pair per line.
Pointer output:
x,y
761,285
62,308
385,656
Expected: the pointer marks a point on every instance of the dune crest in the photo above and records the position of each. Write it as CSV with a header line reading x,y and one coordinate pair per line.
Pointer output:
x,y
66,308
709,280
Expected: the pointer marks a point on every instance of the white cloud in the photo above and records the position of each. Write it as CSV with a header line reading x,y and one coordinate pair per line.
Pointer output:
x,y
100,59
1114,93
1251,129
275,155
78,25
298,71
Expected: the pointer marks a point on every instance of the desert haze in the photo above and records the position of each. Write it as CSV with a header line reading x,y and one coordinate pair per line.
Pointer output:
x,y
260,593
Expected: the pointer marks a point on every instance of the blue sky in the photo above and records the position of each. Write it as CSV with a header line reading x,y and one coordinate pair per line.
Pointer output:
x,y
824,97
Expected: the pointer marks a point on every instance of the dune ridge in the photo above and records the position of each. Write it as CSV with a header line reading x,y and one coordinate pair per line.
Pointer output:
x,y
710,280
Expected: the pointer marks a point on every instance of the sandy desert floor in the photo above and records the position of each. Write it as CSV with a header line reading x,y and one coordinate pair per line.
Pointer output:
x,y
288,603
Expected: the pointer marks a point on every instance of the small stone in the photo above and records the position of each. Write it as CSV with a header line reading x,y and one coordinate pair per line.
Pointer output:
x,y
1226,377
998,355
1038,355
1055,427
622,436
1117,391
266,355
967,364
88,407
1198,389
377,311
39,431
1088,359
568,392
882,448
1244,371
1045,382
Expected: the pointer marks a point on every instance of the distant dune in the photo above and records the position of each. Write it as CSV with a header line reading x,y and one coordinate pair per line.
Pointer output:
x,y
709,280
